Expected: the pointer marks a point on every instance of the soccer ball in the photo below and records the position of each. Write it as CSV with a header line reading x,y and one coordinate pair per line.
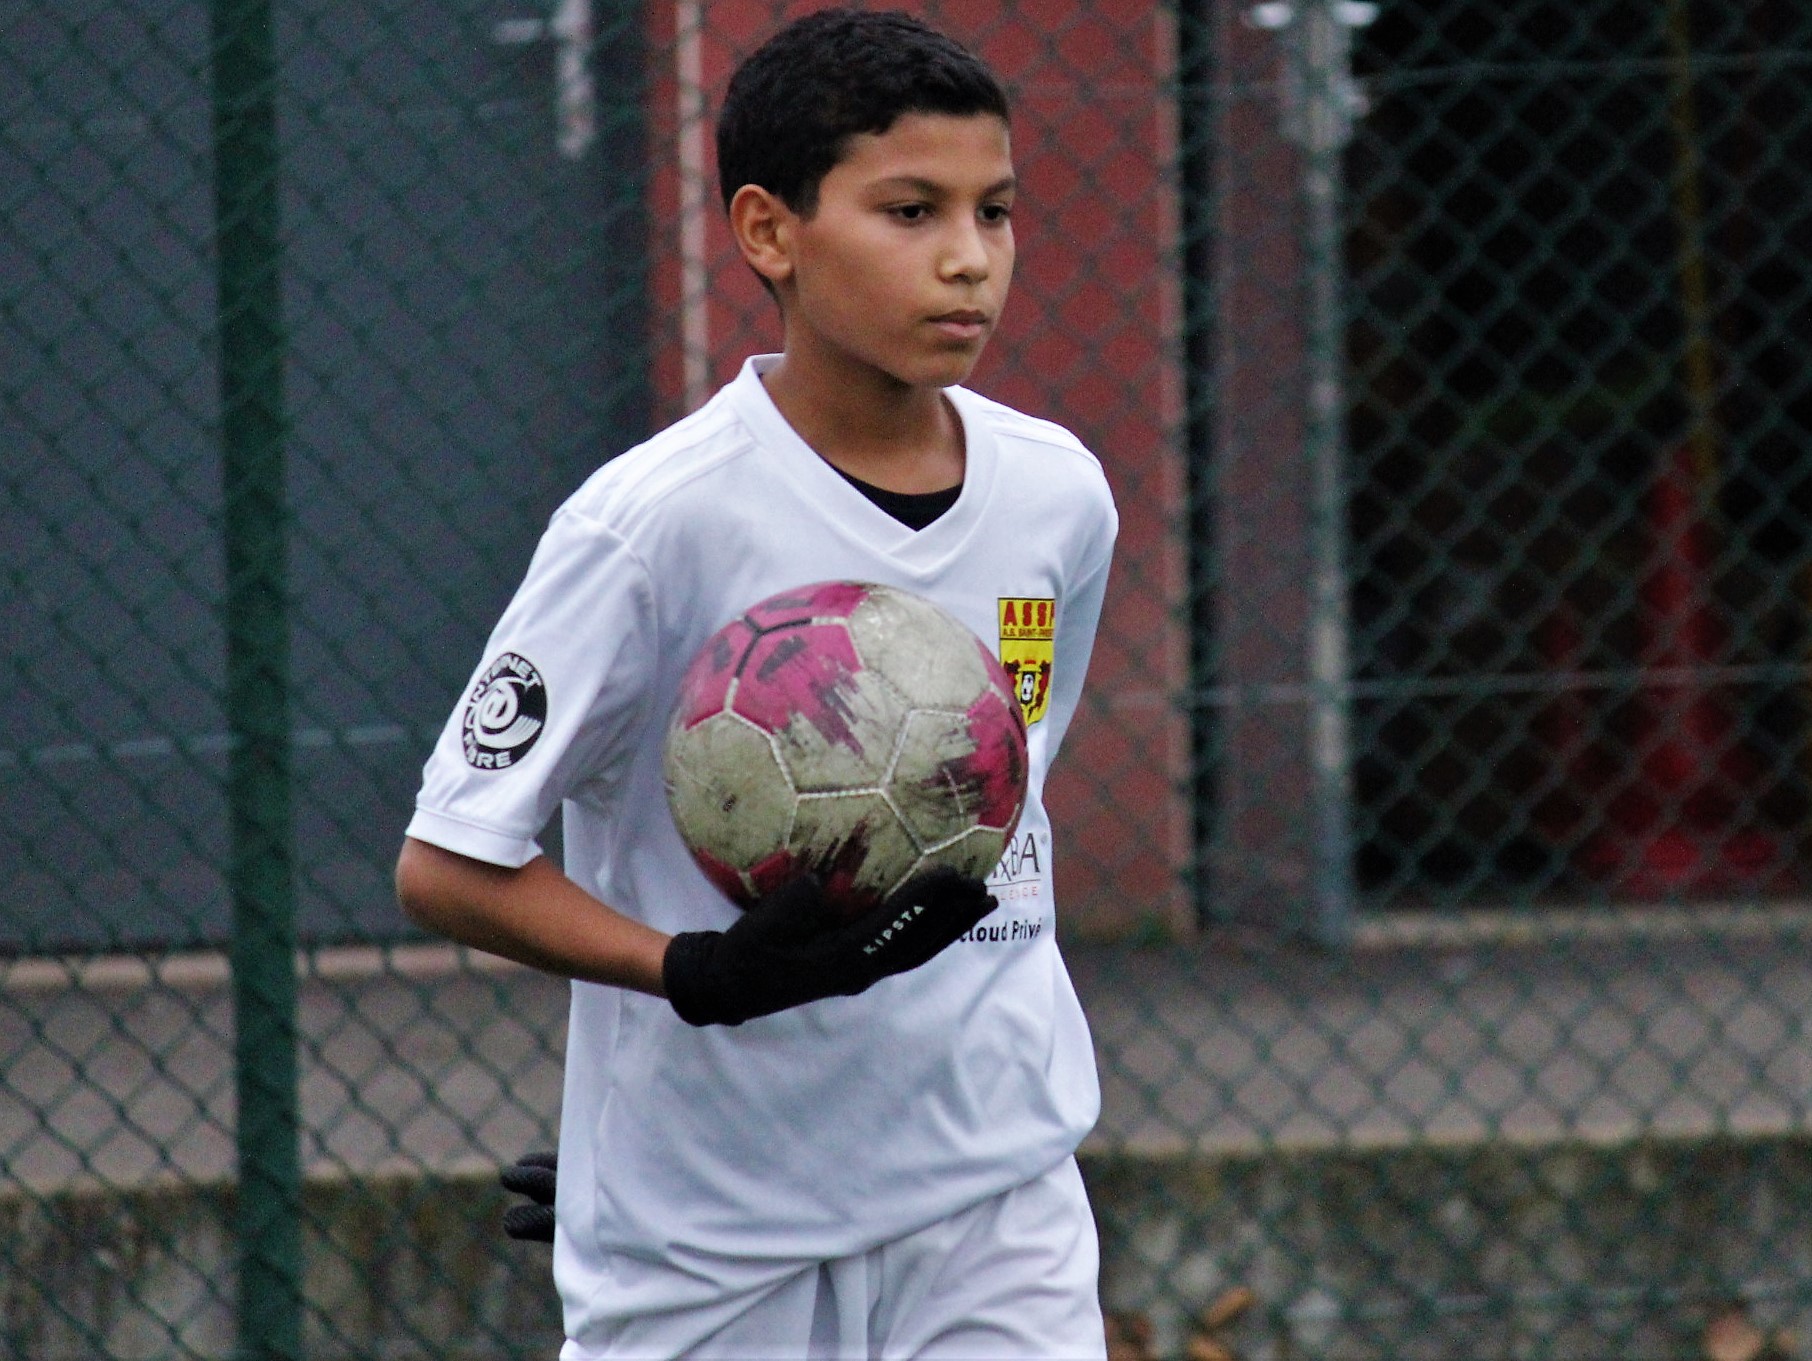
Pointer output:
x,y
846,729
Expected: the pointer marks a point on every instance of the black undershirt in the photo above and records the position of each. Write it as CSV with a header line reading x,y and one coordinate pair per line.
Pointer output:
x,y
914,509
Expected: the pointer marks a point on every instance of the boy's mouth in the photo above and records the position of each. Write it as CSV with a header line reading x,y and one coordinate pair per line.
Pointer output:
x,y
966,323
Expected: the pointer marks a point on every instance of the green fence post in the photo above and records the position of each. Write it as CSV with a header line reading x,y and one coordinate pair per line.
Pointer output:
x,y
257,642
1324,127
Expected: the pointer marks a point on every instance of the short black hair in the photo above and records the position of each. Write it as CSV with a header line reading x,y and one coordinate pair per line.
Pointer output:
x,y
794,104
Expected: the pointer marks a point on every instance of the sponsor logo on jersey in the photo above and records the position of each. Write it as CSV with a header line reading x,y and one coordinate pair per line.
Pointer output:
x,y
1020,863
1016,881
505,713
1028,646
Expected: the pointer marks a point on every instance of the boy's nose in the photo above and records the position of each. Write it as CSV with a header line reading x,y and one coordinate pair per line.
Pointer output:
x,y
966,255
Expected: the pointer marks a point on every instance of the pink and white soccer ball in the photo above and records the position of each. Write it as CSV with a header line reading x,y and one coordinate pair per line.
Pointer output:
x,y
849,729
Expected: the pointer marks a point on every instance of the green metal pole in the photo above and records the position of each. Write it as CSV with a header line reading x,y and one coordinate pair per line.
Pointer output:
x,y
257,698
1323,46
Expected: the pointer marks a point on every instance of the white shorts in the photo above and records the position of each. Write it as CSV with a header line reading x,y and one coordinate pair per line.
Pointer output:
x,y
1014,1278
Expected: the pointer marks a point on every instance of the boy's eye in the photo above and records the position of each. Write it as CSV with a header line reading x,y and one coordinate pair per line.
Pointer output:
x,y
911,212
996,212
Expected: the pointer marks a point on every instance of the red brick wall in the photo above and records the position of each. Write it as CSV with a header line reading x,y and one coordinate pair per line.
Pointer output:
x,y
1089,340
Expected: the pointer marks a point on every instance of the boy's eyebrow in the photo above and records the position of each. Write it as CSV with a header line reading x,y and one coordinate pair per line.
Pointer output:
x,y
932,189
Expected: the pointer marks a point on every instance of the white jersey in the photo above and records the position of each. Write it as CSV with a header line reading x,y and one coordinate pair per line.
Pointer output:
x,y
824,1130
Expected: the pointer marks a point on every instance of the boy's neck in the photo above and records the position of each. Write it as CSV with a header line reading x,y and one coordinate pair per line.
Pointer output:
x,y
889,434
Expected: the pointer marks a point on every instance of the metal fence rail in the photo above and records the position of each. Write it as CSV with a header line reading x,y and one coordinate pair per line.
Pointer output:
x,y
1436,830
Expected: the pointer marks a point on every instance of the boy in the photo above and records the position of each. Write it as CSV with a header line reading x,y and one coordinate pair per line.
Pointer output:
x,y
811,1147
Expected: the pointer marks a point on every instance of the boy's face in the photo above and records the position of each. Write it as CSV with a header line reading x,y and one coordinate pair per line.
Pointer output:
x,y
905,263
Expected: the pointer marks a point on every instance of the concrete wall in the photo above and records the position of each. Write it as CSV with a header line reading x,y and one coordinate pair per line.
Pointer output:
x,y
397,1267
1557,1253
1564,1253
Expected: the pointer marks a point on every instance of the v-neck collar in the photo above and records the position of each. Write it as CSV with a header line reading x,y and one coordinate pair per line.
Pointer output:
x,y
920,551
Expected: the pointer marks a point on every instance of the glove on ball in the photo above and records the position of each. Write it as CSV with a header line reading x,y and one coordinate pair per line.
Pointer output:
x,y
791,948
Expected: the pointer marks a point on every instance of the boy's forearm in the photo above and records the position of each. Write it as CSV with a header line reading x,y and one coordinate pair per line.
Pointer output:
x,y
534,915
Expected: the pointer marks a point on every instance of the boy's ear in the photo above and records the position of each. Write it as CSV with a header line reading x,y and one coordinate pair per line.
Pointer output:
x,y
763,227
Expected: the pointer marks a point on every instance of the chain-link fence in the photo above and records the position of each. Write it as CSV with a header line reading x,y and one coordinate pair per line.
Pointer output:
x,y
1436,827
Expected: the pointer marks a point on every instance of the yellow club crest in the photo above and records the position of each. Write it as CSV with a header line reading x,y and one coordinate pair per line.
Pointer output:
x,y
1028,646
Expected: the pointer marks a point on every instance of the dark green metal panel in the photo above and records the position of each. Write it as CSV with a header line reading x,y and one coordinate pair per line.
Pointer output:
x,y
464,305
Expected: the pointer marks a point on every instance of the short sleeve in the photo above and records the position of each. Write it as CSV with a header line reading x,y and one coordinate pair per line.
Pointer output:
x,y
553,706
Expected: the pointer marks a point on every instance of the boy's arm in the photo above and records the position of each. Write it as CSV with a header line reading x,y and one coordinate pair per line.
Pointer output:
x,y
534,915
788,949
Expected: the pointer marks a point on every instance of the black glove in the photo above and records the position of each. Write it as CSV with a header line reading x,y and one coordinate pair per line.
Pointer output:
x,y
531,1176
789,949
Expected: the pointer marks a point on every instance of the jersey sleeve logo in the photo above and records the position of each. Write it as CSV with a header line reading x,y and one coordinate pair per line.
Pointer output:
x,y
1028,646
505,713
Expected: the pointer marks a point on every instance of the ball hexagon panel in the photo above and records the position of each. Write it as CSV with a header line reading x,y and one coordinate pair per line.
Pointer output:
x,y
728,790
933,659
803,676
931,782
706,687
846,738
856,842
795,669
